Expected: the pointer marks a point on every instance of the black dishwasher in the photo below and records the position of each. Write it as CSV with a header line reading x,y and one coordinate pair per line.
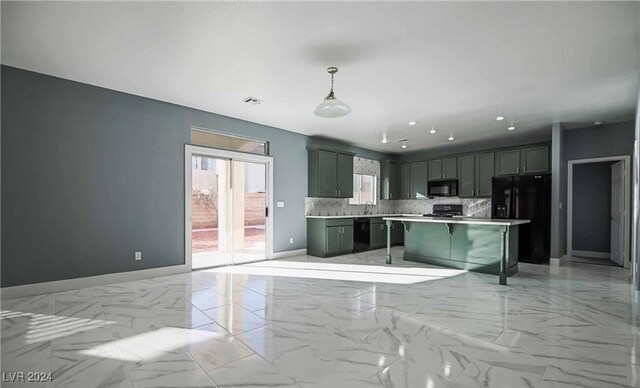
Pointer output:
x,y
361,234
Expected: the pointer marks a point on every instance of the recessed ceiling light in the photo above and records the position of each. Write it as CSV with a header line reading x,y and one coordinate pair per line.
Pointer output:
x,y
500,118
597,123
511,128
384,140
404,145
412,123
451,138
404,142
433,130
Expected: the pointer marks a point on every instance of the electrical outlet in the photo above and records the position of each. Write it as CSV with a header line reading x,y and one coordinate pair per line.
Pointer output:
x,y
138,256
291,240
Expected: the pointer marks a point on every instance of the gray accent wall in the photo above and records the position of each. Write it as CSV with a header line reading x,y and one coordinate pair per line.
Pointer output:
x,y
615,139
91,175
591,216
600,141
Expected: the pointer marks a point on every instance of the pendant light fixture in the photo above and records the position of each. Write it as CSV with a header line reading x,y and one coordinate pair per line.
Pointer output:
x,y
332,107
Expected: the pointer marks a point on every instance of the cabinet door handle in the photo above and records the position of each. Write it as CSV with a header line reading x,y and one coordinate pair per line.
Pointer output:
x,y
525,169
518,170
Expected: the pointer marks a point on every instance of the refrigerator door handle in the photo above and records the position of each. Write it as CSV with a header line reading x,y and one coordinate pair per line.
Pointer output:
x,y
516,203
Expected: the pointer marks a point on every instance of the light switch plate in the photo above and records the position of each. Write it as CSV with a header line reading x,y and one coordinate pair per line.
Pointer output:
x,y
280,204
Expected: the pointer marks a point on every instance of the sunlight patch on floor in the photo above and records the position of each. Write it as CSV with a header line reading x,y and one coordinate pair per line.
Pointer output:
x,y
147,346
43,327
334,271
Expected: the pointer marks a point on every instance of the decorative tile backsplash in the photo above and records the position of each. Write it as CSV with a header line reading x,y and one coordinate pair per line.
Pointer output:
x,y
476,207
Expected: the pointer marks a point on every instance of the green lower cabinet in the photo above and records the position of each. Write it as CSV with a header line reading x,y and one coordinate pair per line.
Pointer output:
x,y
346,239
378,234
469,247
479,248
397,233
426,239
329,237
332,240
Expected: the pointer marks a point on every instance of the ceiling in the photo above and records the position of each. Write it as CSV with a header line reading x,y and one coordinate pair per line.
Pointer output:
x,y
451,65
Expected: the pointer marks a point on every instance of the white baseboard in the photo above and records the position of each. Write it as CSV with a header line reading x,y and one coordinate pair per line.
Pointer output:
x,y
89,281
556,261
285,254
592,254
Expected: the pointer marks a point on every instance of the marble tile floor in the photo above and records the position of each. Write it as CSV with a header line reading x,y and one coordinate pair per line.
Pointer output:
x,y
347,321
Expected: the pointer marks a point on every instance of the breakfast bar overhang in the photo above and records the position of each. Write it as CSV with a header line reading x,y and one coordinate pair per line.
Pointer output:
x,y
474,244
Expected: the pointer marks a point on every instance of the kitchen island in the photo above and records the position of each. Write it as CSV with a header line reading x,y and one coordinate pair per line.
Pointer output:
x,y
474,244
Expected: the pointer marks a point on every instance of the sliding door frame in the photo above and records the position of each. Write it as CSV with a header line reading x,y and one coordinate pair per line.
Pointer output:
x,y
189,153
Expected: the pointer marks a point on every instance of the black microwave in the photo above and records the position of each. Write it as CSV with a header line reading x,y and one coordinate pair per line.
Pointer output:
x,y
448,188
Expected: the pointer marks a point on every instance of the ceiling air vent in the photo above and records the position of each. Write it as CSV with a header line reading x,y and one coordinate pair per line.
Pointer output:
x,y
252,100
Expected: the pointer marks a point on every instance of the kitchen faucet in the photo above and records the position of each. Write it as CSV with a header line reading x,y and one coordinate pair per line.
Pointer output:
x,y
366,207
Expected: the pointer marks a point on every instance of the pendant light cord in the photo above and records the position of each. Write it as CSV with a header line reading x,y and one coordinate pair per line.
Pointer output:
x,y
331,82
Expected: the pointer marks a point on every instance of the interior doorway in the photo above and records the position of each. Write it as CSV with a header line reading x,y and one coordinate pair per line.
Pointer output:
x,y
598,211
228,197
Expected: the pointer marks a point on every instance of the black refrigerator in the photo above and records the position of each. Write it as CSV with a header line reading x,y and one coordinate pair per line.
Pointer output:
x,y
526,197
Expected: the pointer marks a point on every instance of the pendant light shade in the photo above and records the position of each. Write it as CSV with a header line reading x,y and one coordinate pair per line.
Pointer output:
x,y
332,107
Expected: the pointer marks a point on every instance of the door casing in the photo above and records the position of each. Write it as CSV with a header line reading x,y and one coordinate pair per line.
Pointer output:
x,y
627,194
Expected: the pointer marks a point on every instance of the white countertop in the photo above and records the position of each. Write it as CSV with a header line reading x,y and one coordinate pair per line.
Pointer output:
x,y
458,220
368,216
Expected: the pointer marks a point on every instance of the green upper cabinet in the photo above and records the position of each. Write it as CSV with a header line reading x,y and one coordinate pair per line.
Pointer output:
x,y
405,180
535,160
419,180
435,169
449,168
508,162
443,169
485,165
345,176
389,182
327,174
330,174
466,176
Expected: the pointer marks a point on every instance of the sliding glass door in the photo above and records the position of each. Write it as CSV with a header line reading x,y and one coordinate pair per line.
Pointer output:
x,y
227,213
210,211
249,211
